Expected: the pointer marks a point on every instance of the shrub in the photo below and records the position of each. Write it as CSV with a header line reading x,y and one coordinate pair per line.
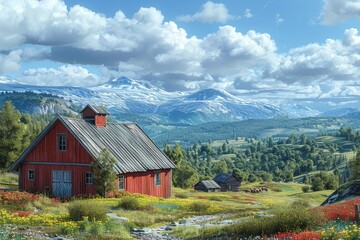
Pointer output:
x,y
130,203
215,198
87,208
199,206
181,195
305,189
277,189
293,218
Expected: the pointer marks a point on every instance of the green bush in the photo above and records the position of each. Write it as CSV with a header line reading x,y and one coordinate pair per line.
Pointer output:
x,y
181,195
215,198
293,218
87,208
305,189
130,203
199,206
277,189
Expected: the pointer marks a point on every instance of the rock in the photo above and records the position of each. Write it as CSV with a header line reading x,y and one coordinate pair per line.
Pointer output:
x,y
116,217
173,224
142,230
168,228
182,222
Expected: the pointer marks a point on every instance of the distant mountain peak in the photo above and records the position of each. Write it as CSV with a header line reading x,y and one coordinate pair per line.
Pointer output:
x,y
209,94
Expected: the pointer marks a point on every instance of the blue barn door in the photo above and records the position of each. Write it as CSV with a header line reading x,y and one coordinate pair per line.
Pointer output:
x,y
62,183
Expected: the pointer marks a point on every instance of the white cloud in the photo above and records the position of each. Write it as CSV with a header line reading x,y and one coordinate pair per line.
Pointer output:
x,y
336,11
247,13
230,52
334,60
10,62
209,13
67,75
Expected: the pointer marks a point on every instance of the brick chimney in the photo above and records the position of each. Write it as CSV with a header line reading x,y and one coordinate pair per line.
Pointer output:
x,y
95,115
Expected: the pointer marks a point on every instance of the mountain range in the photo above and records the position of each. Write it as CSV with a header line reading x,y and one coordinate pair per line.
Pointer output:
x,y
136,100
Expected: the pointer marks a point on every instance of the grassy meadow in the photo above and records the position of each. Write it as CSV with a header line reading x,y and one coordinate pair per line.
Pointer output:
x,y
85,218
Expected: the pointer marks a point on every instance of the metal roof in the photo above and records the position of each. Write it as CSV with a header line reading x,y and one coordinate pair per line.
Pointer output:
x,y
133,150
96,109
223,177
209,184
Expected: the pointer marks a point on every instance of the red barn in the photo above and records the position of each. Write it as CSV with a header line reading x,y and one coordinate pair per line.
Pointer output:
x,y
59,160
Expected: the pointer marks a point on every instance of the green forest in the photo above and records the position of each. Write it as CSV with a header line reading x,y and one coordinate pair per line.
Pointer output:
x,y
323,160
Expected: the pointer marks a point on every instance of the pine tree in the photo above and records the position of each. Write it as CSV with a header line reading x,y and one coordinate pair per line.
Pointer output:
x,y
11,135
355,166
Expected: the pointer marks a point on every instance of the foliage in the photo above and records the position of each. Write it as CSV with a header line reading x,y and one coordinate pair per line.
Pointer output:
x,y
199,206
323,181
305,188
130,203
104,175
182,195
341,211
355,166
306,235
285,219
87,208
12,135
16,198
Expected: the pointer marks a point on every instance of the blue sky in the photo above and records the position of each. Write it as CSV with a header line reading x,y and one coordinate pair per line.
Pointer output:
x,y
306,51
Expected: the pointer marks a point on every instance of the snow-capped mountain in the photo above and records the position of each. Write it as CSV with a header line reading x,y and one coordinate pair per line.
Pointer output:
x,y
215,105
295,110
138,99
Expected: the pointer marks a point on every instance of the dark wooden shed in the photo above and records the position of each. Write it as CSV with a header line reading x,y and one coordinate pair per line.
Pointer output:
x,y
227,182
59,160
207,186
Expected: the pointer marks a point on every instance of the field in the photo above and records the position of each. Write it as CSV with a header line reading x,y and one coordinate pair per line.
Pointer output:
x,y
21,210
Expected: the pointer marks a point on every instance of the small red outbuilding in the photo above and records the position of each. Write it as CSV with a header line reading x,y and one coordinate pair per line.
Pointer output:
x,y
60,158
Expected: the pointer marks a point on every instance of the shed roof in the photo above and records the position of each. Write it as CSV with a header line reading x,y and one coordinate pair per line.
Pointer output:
x,y
133,150
223,177
209,184
96,109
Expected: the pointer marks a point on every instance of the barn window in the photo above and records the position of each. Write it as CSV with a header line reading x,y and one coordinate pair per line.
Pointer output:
x,y
61,141
121,182
88,178
31,174
157,179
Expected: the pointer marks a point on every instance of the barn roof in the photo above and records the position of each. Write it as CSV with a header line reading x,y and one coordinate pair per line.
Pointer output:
x,y
223,177
133,150
96,109
209,184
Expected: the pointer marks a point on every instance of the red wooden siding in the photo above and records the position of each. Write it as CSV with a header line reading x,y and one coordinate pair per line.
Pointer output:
x,y
47,151
43,178
45,157
144,182
87,113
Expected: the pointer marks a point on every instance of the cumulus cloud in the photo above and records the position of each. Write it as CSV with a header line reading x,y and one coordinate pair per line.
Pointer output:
x,y
209,13
66,75
10,61
336,11
334,60
230,52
